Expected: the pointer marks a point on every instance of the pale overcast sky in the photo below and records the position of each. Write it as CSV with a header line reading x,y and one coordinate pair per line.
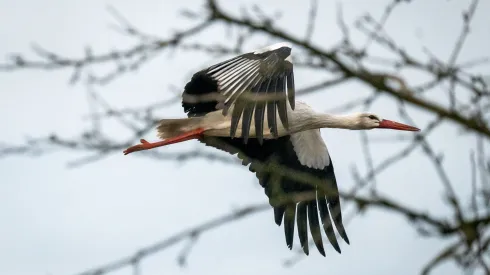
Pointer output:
x,y
58,221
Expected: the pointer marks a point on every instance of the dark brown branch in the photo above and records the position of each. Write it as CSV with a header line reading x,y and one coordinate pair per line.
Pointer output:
x,y
376,80
342,63
52,61
190,233
311,20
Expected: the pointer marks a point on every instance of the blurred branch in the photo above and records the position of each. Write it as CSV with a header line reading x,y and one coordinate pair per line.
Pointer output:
x,y
440,225
467,17
125,61
465,103
311,20
378,81
190,234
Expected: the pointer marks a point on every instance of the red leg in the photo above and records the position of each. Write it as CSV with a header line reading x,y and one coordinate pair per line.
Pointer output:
x,y
145,145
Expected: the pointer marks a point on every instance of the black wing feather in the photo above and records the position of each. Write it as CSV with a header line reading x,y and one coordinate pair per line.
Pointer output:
x,y
290,87
235,118
259,121
246,120
327,223
289,217
260,110
334,203
239,79
281,151
282,103
278,214
302,221
315,226
271,118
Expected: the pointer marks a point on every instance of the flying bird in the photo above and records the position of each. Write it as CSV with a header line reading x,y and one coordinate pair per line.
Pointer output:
x,y
246,106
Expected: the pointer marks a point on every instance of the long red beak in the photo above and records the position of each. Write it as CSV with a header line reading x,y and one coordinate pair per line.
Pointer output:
x,y
388,124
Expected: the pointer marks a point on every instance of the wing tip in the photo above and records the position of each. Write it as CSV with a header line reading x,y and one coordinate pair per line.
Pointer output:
x,y
322,251
278,215
346,239
273,47
282,44
337,248
341,229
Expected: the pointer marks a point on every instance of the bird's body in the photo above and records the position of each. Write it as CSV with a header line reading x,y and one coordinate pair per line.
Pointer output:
x,y
214,123
226,110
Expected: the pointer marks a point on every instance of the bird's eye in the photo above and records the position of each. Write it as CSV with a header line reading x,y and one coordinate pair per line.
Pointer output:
x,y
372,117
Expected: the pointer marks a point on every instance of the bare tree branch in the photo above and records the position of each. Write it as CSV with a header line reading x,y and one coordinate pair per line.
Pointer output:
x,y
465,103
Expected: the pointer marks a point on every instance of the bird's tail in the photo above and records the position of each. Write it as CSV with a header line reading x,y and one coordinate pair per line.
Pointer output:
x,y
168,128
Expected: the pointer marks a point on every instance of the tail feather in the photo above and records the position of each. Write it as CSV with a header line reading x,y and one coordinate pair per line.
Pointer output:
x,y
168,128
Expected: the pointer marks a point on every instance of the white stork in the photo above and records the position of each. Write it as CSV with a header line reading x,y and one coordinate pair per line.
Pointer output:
x,y
242,88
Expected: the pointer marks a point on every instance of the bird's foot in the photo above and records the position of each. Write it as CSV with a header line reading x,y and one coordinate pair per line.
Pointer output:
x,y
145,145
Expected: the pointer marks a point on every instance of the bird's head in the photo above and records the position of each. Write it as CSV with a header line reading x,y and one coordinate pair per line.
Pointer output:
x,y
367,121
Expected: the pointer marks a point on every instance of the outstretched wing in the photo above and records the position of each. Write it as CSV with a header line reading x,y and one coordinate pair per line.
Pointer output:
x,y
305,213
252,83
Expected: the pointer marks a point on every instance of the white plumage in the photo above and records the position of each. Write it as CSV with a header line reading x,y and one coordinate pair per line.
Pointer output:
x,y
310,149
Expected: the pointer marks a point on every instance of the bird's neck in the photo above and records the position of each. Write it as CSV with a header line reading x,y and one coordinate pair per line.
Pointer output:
x,y
306,118
322,120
